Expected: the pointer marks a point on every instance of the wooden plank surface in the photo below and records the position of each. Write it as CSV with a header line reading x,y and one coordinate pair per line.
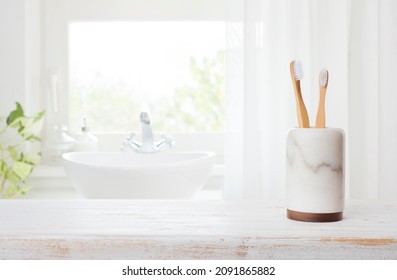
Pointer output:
x,y
136,229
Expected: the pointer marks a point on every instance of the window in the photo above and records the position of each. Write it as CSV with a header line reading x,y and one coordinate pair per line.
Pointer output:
x,y
174,69
120,48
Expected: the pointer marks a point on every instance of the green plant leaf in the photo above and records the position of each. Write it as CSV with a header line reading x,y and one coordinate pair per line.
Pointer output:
x,y
14,115
13,153
21,127
32,138
32,129
16,123
24,190
23,124
39,116
32,158
12,191
3,168
12,177
22,169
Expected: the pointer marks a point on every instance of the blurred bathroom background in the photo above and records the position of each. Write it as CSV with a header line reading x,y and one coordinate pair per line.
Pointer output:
x,y
215,75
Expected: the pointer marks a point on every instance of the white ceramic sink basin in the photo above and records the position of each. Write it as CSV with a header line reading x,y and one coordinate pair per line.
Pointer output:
x,y
132,175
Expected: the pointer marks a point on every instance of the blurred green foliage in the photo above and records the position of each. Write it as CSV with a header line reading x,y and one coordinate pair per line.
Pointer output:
x,y
193,108
16,162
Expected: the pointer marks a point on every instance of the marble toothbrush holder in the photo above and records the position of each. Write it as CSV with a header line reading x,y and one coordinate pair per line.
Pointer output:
x,y
315,174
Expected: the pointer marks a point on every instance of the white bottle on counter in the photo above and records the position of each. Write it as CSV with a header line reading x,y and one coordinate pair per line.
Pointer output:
x,y
86,141
57,143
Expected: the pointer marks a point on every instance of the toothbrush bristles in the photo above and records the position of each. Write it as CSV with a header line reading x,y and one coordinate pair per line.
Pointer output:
x,y
298,70
323,77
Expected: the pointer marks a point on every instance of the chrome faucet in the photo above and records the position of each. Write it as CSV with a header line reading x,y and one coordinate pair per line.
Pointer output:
x,y
148,145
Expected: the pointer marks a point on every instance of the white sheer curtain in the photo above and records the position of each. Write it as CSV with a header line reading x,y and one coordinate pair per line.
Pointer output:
x,y
356,41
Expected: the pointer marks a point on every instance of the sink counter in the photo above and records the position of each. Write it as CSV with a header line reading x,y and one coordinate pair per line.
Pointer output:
x,y
158,229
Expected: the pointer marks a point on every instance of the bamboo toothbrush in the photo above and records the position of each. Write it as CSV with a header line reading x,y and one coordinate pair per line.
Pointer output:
x,y
323,82
297,75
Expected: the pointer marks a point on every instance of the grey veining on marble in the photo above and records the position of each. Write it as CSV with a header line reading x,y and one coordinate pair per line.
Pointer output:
x,y
315,170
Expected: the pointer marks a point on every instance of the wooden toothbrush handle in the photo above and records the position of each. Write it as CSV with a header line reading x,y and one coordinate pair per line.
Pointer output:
x,y
320,119
303,118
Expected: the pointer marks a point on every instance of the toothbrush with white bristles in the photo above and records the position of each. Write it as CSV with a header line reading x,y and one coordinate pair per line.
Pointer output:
x,y
323,82
296,70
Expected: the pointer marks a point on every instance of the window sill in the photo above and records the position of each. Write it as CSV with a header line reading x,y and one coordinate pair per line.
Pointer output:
x,y
48,171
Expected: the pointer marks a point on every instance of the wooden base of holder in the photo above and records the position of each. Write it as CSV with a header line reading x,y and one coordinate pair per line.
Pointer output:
x,y
314,217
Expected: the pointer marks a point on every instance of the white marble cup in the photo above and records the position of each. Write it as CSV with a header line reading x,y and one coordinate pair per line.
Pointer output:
x,y
315,174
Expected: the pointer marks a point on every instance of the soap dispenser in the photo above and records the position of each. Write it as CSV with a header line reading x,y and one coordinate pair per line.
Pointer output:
x,y
85,142
57,143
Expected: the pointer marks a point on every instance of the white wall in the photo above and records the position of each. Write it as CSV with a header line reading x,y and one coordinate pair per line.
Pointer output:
x,y
12,54
19,54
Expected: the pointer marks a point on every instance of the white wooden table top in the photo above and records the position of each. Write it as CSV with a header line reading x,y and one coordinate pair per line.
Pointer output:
x,y
136,229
